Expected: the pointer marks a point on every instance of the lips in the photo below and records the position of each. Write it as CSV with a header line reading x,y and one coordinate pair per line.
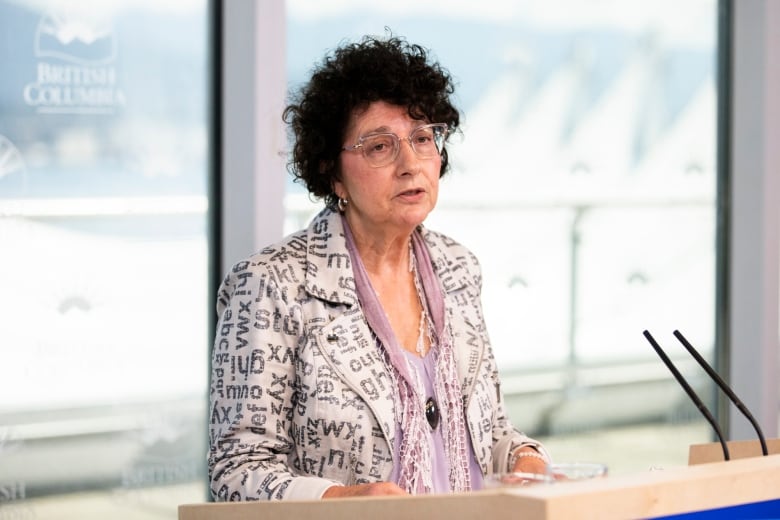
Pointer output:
x,y
411,192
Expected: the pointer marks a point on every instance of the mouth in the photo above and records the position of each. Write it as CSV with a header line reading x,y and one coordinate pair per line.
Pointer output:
x,y
411,192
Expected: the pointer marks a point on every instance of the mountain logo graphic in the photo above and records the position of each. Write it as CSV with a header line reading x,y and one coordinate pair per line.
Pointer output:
x,y
81,40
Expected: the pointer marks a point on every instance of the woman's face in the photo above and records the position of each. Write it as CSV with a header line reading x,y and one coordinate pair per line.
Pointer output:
x,y
389,199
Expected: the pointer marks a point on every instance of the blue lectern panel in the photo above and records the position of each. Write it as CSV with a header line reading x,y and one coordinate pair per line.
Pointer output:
x,y
755,511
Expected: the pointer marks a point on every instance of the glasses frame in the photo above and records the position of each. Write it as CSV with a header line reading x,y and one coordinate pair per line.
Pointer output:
x,y
444,131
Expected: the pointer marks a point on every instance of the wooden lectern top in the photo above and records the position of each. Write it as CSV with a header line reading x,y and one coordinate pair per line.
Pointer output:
x,y
645,495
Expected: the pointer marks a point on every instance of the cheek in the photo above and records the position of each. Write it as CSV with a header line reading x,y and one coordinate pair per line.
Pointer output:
x,y
351,177
437,167
435,173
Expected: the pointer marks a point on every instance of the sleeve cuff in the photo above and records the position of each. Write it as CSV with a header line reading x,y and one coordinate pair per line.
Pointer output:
x,y
308,488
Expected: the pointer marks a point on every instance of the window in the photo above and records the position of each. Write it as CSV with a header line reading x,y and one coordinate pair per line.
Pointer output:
x,y
104,153
588,150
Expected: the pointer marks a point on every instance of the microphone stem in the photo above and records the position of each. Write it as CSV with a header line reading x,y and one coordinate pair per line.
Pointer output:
x,y
691,393
725,387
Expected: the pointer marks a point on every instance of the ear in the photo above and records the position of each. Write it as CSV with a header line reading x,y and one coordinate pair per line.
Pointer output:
x,y
340,190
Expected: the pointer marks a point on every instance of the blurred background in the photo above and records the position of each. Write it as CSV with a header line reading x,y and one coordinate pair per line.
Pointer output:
x,y
585,178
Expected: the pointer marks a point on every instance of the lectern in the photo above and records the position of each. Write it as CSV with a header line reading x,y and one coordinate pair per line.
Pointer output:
x,y
713,452
706,490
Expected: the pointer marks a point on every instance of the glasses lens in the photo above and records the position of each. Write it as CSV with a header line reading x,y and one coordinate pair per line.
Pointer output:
x,y
428,140
380,149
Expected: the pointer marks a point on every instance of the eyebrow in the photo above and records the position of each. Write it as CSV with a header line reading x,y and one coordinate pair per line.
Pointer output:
x,y
384,129
379,130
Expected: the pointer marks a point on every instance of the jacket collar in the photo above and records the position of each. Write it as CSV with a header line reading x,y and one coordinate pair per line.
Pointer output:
x,y
329,268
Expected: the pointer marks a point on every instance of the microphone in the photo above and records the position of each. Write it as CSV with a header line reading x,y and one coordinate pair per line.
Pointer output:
x,y
725,387
694,397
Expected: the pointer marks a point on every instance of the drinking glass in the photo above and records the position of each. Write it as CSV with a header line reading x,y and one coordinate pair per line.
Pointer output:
x,y
515,479
576,470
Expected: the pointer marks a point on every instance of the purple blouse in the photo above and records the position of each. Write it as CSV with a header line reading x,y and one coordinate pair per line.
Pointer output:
x,y
440,477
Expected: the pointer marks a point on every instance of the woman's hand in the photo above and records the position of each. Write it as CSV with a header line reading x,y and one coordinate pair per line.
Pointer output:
x,y
530,463
364,490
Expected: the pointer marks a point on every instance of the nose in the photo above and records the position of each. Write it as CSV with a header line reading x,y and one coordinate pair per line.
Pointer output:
x,y
408,161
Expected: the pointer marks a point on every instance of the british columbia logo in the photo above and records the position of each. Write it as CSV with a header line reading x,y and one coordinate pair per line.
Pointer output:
x,y
76,66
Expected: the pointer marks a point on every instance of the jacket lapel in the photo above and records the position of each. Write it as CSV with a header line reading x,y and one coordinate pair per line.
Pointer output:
x,y
460,293
344,339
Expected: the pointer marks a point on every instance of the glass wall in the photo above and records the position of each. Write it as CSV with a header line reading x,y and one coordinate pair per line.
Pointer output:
x,y
584,179
104,154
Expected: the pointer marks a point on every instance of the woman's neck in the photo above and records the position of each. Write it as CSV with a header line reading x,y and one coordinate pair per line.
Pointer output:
x,y
383,254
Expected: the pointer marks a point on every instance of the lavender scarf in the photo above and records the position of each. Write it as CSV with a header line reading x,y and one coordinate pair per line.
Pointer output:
x,y
415,452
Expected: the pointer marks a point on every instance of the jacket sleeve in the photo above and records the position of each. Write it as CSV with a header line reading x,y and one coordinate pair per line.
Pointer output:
x,y
253,394
506,439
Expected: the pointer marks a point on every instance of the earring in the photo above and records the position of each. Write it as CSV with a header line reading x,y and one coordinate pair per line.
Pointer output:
x,y
341,204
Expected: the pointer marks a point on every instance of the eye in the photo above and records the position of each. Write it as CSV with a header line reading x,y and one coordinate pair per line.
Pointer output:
x,y
423,138
378,145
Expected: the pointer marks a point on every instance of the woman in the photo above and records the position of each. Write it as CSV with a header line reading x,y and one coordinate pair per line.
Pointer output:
x,y
351,358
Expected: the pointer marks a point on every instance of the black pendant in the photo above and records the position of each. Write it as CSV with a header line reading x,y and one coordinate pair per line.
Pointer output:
x,y
432,412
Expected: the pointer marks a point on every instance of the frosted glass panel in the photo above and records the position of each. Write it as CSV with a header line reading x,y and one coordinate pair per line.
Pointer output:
x,y
104,156
584,179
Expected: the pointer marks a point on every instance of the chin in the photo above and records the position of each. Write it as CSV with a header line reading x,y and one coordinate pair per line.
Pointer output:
x,y
417,218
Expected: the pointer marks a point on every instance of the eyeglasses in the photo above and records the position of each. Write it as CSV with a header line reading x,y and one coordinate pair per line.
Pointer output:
x,y
382,148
